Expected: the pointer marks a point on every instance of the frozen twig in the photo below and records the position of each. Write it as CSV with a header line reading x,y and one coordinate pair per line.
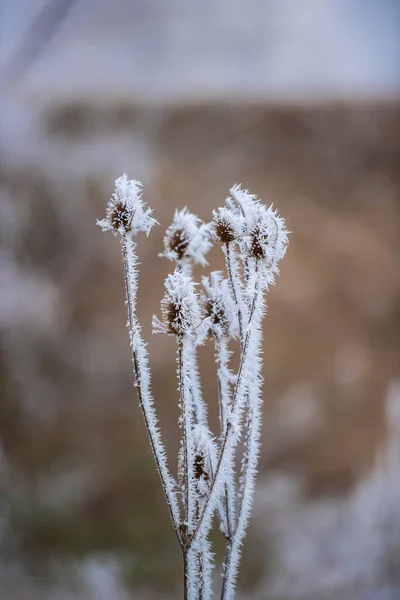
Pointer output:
x,y
127,216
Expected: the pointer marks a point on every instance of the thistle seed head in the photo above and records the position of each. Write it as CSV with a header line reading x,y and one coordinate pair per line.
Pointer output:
x,y
186,239
126,213
226,226
180,307
219,306
266,236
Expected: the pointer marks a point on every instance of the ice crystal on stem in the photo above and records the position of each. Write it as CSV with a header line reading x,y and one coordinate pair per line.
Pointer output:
x,y
229,313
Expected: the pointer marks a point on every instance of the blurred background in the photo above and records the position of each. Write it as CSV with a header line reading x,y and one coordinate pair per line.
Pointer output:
x,y
299,101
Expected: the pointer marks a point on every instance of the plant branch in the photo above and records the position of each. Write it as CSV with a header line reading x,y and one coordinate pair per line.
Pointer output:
x,y
249,465
232,273
229,442
142,384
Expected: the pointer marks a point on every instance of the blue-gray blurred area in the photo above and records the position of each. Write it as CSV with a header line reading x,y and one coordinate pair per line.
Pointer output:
x,y
152,48
297,100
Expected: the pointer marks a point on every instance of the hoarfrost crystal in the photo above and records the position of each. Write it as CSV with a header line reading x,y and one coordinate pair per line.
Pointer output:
x,y
186,239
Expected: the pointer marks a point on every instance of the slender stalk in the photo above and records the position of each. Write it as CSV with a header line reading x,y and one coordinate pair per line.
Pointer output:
x,y
245,494
249,470
185,574
199,406
228,443
200,573
226,568
230,266
184,433
223,374
142,384
186,403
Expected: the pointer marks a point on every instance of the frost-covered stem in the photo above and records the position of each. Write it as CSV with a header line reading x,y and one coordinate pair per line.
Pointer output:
x,y
200,574
184,435
225,460
224,377
184,347
191,582
142,383
222,355
189,557
233,278
199,405
185,574
234,547
225,566
250,460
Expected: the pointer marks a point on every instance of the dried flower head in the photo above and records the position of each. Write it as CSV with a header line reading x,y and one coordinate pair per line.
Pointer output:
x,y
180,308
126,213
219,306
186,239
226,225
266,237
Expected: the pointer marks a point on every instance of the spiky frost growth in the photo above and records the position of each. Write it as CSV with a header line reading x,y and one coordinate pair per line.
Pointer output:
x,y
219,306
182,314
227,225
241,202
266,240
180,307
206,451
126,213
250,459
222,325
187,239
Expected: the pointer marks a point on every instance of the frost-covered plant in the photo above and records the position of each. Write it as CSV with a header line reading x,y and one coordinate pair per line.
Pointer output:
x,y
210,481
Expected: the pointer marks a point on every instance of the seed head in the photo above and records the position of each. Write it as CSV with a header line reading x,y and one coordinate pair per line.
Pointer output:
x,y
219,306
126,213
226,225
266,237
180,308
186,239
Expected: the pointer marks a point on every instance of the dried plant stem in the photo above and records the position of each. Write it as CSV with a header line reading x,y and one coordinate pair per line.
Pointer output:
x,y
185,574
200,570
225,566
184,435
250,460
229,442
233,277
142,383
224,377
186,404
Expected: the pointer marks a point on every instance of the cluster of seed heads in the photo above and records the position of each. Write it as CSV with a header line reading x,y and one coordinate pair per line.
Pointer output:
x,y
253,239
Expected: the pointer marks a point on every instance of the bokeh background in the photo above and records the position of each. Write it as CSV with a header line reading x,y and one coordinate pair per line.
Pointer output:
x,y
297,100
